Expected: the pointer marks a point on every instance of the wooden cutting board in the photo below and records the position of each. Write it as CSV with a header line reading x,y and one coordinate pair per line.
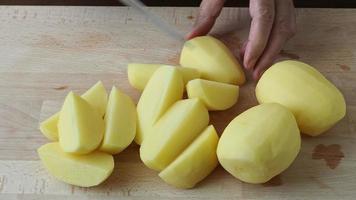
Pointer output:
x,y
47,51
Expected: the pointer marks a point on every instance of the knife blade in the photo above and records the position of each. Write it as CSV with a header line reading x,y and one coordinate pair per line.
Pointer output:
x,y
156,20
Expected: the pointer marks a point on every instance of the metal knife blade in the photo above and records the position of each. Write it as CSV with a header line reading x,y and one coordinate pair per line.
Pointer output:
x,y
156,20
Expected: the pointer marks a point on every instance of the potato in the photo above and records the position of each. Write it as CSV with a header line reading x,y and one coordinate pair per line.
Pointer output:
x,y
195,163
139,74
215,95
315,102
120,122
49,127
259,143
213,59
95,96
172,133
80,170
80,126
163,89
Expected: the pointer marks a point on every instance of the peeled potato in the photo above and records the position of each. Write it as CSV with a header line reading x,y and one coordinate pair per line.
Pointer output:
x,y
215,95
80,170
315,102
173,132
259,143
212,59
95,96
80,126
195,163
49,127
140,74
120,122
163,89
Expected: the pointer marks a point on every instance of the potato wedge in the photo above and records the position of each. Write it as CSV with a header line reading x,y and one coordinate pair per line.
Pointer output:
x,y
195,163
96,96
163,89
120,122
140,74
215,95
80,170
80,126
172,133
212,59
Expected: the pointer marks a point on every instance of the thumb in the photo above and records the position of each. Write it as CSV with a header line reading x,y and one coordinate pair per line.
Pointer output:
x,y
208,12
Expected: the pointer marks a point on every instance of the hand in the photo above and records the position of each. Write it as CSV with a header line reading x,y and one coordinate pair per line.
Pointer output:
x,y
273,23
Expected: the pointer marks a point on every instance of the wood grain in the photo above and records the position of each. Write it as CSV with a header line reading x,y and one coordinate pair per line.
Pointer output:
x,y
47,51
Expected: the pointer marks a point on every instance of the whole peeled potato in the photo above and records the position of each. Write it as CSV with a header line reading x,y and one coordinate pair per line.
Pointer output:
x,y
259,143
315,102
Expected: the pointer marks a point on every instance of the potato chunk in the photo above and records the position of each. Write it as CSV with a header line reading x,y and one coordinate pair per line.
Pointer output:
x,y
177,128
163,89
80,170
212,59
195,163
80,126
215,95
120,122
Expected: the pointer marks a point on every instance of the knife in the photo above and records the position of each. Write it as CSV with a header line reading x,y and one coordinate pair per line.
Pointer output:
x,y
156,20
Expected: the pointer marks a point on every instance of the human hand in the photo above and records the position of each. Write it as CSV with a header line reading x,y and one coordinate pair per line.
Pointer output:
x,y
273,23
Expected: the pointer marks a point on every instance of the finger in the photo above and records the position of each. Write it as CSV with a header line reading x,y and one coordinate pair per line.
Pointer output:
x,y
242,51
208,12
283,29
262,13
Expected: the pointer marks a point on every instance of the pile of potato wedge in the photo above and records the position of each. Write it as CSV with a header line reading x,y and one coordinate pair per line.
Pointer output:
x,y
175,135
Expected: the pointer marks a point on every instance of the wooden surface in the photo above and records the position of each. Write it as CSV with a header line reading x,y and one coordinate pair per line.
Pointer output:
x,y
47,51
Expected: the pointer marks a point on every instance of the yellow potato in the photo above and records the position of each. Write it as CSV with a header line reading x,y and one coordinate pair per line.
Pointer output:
x,y
139,74
259,143
215,95
212,59
195,163
49,127
120,122
315,102
95,96
80,126
163,89
172,133
80,170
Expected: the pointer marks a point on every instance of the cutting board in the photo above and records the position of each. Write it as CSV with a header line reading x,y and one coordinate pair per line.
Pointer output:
x,y
45,52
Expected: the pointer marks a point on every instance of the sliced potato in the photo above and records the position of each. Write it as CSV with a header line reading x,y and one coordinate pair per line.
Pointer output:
x,y
80,170
172,133
95,96
259,143
163,89
195,163
140,74
80,126
120,122
49,127
215,95
212,59
315,102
